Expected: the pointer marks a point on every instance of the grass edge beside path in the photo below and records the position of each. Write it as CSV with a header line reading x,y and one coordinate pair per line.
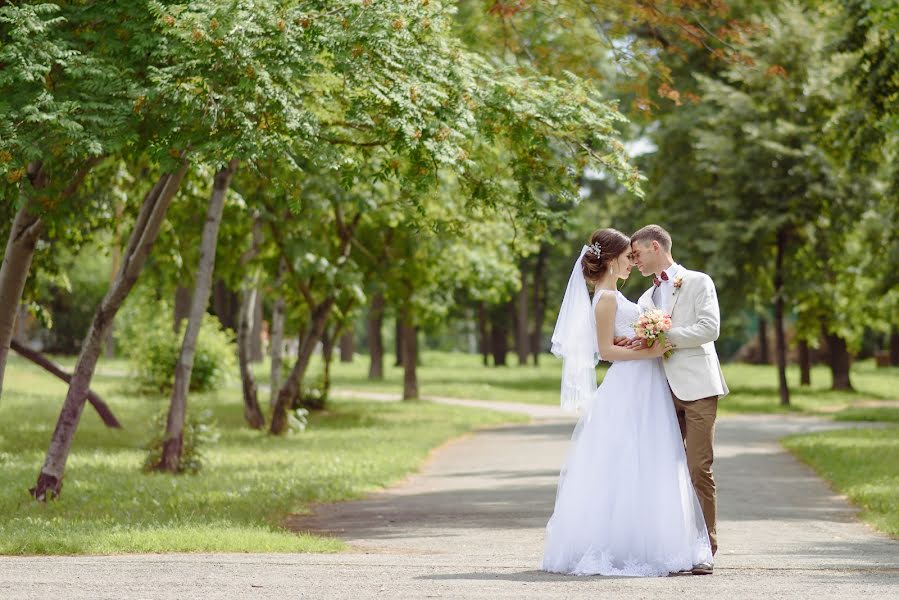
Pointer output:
x,y
237,503
862,464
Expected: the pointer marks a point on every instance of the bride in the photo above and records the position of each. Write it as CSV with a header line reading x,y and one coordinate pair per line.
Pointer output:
x,y
625,504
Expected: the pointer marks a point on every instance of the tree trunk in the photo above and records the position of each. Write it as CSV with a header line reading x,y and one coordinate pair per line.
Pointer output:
x,y
347,347
483,334
252,413
522,345
20,329
328,338
779,335
226,304
174,429
277,344
398,342
26,229
246,316
840,360
182,305
499,336
539,301
894,346
764,351
805,364
375,341
256,353
23,236
291,387
146,228
410,355
96,401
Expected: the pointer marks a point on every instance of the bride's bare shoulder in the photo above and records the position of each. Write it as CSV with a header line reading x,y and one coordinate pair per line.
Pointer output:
x,y
606,299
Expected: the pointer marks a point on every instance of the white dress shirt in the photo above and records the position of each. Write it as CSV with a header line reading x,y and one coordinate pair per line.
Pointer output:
x,y
665,292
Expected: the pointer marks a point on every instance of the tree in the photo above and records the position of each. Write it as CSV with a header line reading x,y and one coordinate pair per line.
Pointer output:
x,y
392,96
143,234
62,110
778,191
871,121
174,434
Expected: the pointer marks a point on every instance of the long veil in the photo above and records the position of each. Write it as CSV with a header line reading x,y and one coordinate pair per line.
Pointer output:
x,y
574,341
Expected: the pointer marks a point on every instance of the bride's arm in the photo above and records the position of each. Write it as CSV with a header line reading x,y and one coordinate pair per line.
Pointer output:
x,y
606,307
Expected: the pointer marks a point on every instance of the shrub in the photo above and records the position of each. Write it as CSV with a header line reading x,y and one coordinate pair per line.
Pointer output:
x,y
152,346
312,397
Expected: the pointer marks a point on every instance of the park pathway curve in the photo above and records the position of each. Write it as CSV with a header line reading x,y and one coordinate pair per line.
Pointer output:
x,y
470,525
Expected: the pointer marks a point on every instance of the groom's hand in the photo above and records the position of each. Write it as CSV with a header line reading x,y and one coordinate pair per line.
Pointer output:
x,y
632,343
636,343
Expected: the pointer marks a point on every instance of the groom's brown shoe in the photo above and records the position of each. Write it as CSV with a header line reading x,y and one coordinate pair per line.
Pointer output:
x,y
703,569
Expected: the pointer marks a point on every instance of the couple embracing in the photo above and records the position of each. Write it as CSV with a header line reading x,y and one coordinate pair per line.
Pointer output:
x,y
636,495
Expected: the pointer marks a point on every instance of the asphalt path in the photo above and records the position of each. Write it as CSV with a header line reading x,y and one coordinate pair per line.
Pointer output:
x,y
470,525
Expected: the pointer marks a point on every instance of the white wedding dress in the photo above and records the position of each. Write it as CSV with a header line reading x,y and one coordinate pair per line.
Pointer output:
x,y
625,505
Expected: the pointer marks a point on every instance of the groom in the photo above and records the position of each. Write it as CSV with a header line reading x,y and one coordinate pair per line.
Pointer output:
x,y
693,371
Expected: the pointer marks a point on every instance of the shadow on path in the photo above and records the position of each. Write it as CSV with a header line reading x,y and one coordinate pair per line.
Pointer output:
x,y
491,495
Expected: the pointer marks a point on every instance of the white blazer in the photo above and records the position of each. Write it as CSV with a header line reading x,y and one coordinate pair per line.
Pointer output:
x,y
693,370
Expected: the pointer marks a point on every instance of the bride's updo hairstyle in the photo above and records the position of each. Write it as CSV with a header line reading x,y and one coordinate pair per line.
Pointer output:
x,y
610,243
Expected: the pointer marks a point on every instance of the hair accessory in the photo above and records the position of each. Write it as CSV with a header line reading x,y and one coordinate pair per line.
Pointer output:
x,y
596,249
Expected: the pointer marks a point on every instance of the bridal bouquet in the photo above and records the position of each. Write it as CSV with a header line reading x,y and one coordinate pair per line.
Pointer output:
x,y
651,326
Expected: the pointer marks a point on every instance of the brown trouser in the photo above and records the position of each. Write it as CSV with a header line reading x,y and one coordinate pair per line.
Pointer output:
x,y
697,426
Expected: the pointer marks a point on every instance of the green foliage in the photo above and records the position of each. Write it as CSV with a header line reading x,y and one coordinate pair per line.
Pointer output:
x,y
238,501
67,300
199,432
872,120
766,158
146,336
56,99
861,463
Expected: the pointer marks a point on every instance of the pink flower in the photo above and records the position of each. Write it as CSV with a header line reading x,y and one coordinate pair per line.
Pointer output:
x,y
651,326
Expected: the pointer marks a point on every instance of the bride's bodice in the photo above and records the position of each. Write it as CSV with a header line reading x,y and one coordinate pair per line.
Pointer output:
x,y
626,314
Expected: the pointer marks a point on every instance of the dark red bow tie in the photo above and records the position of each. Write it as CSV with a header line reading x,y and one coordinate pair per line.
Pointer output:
x,y
658,281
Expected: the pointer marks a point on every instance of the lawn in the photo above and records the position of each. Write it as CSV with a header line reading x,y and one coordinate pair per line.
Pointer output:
x,y
251,481
753,387
861,463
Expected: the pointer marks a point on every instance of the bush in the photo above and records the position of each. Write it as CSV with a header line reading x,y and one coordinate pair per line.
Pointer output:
x,y
152,346
312,397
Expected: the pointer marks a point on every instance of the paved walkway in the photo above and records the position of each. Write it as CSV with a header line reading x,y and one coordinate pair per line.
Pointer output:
x,y
470,525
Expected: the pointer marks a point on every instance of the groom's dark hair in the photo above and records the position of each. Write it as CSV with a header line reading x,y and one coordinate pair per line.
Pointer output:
x,y
653,233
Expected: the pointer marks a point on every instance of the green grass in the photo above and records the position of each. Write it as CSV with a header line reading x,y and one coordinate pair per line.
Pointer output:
x,y
252,481
237,503
451,374
887,415
753,387
861,463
